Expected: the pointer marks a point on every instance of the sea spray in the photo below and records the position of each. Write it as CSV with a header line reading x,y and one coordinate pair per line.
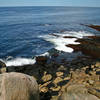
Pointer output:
x,y
19,62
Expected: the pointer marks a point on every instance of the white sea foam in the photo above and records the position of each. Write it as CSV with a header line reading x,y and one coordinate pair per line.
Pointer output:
x,y
79,34
19,62
60,42
45,54
47,25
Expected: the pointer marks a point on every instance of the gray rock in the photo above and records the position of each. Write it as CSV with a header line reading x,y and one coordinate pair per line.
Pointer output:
x,y
91,82
17,86
2,67
2,64
77,92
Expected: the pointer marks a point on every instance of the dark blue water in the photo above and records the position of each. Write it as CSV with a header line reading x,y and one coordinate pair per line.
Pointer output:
x,y
22,27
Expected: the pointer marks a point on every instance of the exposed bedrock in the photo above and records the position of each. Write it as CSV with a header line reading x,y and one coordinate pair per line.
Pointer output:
x,y
2,67
17,86
77,92
88,46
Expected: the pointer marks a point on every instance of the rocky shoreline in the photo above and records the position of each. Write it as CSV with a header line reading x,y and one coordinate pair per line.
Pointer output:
x,y
78,79
54,78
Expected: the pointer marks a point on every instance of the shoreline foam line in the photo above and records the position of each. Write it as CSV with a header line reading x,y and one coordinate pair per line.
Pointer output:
x,y
60,42
19,62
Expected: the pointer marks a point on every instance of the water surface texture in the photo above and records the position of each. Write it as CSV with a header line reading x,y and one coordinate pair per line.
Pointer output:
x,y
26,31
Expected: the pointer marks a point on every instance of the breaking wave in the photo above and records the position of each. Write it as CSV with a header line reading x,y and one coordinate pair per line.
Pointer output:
x,y
60,42
19,62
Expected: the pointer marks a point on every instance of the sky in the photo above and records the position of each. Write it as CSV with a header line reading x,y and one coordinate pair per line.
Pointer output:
x,y
86,3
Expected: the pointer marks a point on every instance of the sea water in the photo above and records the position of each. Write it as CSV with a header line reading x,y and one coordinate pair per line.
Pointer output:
x,y
26,32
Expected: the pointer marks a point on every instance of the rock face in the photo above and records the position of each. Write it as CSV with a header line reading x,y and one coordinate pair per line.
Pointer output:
x,y
17,86
96,27
2,64
77,92
3,70
89,46
2,67
53,77
41,60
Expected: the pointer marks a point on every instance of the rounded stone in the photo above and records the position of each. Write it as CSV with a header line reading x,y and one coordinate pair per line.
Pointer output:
x,y
77,92
17,86
58,74
46,77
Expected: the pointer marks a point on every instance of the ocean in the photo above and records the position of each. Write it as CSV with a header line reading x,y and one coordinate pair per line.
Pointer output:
x,y
26,32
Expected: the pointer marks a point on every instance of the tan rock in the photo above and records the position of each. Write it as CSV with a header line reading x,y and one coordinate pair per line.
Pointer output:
x,y
98,69
54,98
55,88
77,92
95,77
57,80
91,82
62,68
79,76
2,64
92,72
76,89
58,74
44,89
47,77
17,86
67,78
92,66
2,70
97,84
2,67
94,92
97,64
45,84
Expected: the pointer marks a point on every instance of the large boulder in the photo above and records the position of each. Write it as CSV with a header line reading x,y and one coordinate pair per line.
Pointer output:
x,y
17,86
2,64
2,67
77,92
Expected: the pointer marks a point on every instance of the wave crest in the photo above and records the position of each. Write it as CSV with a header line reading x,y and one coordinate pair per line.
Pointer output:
x,y
19,62
60,42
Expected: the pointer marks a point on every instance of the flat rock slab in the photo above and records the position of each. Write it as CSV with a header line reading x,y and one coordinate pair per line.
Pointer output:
x,y
77,92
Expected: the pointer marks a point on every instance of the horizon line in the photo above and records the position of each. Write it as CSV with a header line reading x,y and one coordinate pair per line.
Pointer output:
x,y
51,6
